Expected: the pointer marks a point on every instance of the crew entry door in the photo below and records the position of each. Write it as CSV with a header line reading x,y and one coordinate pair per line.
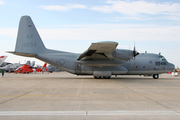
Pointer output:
x,y
78,68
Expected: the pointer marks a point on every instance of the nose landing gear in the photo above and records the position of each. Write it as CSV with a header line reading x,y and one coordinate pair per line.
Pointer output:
x,y
156,76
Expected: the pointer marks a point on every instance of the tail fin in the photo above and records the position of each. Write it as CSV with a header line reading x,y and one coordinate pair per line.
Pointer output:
x,y
32,63
44,65
28,63
44,69
2,59
28,40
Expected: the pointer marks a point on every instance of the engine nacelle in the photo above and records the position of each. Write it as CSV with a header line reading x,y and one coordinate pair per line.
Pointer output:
x,y
121,54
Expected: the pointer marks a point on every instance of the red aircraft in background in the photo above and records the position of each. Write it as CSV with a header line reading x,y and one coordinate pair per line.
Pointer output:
x,y
28,69
43,69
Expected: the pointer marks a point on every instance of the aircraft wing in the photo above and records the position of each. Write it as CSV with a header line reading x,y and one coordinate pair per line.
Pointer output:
x,y
103,48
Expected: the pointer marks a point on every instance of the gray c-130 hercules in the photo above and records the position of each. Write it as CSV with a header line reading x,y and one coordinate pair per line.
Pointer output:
x,y
102,59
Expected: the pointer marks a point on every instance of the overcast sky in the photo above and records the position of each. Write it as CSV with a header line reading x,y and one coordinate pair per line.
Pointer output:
x,y
72,25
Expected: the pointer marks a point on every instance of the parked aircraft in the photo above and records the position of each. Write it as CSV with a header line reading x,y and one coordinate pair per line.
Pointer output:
x,y
10,67
27,68
4,64
51,69
42,69
102,59
2,59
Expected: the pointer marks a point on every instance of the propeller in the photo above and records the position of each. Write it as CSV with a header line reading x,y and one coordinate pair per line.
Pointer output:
x,y
135,53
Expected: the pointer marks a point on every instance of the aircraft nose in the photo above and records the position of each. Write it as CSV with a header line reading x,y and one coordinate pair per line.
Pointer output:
x,y
170,67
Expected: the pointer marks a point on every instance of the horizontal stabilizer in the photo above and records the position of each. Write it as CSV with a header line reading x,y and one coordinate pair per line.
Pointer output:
x,y
23,54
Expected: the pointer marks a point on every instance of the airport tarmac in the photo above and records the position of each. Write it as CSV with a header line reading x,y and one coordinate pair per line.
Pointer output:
x,y
62,95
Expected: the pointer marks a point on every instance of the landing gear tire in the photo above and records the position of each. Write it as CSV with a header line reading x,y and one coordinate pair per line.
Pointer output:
x,y
106,77
97,77
156,76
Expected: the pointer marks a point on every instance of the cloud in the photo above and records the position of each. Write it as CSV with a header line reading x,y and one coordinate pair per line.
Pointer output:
x,y
128,9
12,32
138,8
107,32
104,32
1,2
63,8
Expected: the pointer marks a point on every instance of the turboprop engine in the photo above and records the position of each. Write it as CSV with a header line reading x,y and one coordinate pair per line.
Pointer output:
x,y
121,54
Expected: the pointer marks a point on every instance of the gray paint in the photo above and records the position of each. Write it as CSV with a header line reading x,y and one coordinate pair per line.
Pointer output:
x,y
100,59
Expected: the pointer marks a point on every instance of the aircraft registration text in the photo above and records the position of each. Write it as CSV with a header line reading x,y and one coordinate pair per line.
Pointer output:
x,y
160,63
29,44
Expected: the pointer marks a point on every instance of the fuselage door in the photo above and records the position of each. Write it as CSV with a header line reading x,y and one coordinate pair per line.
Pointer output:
x,y
78,68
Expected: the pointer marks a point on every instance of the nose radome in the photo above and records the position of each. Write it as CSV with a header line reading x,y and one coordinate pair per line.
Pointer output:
x,y
171,67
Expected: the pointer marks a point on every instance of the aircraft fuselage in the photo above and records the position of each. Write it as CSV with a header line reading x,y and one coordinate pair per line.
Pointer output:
x,y
143,64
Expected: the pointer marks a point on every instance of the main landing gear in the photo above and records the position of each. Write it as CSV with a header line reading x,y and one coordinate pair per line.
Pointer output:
x,y
105,77
156,76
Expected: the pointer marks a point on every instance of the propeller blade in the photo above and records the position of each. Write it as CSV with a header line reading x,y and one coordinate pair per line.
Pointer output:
x,y
135,53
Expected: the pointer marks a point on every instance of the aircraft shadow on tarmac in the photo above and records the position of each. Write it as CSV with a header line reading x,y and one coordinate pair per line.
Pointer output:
x,y
113,78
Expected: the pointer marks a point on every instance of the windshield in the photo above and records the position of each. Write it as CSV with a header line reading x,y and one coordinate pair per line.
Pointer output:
x,y
161,58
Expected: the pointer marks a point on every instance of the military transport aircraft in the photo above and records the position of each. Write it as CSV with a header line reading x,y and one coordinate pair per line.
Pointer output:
x,y
102,59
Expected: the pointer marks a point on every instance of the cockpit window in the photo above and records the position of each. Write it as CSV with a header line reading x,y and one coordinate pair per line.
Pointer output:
x,y
161,58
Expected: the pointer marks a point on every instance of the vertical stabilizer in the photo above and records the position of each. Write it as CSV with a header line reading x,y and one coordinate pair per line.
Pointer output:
x,y
45,64
28,63
2,59
28,39
33,64
44,69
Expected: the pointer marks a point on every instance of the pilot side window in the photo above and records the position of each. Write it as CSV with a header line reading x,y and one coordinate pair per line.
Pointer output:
x,y
161,58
